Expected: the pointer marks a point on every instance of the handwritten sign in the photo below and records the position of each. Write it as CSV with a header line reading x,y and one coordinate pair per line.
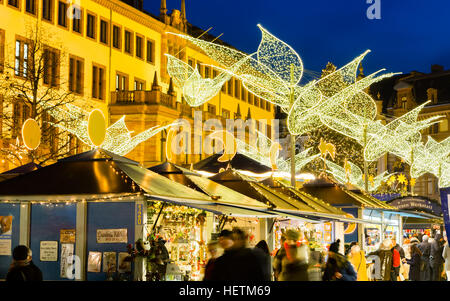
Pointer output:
x,y
112,236
49,251
67,236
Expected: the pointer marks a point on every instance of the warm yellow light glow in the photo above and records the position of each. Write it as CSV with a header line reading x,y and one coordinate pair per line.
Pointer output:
x,y
31,134
96,127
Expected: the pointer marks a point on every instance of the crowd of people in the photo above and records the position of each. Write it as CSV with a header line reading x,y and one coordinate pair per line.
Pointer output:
x,y
422,258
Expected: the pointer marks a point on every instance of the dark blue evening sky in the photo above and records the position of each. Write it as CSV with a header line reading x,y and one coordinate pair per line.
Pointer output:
x,y
411,34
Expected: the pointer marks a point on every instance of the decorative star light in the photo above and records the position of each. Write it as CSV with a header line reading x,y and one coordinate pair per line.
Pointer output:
x,y
118,138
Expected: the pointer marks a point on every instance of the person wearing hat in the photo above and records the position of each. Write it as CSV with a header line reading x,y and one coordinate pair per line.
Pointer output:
x,y
294,263
338,268
22,267
425,268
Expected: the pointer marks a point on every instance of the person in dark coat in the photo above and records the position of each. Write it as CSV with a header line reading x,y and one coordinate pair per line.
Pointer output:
x,y
276,265
414,262
22,267
213,251
338,268
386,259
436,259
263,253
425,269
238,262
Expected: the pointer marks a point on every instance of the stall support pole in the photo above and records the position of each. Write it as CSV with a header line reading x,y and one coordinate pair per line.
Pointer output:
x,y
270,222
209,226
263,229
361,239
139,233
339,234
80,240
400,230
382,234
24,236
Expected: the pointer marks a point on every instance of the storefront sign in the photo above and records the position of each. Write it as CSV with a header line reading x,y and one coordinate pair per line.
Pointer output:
x,y
417,203
48,251
112,236
67,236
5,235
445,199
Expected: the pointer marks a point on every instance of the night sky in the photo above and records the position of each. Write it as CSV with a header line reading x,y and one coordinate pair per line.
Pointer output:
x,y
411,34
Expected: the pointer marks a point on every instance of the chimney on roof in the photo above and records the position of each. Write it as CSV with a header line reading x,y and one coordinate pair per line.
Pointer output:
x,y
436,68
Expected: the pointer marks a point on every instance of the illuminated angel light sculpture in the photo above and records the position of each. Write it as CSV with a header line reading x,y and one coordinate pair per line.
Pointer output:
x,y
118,138
196,90
264,150
270,73
355,176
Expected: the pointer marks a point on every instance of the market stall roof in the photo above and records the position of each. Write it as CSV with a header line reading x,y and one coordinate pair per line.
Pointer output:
x,y
311,201
90,175
23,169
239,162
335,194
219,193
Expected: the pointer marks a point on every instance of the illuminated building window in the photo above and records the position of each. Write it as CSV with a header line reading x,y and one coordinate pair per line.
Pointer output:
x,y
51,67
47,9
121,81
212,109
230,87
237,85
139,45
207,72
62,13
104,32
76,75
243,93
90,26
30,6
98,82
77,20
150,51
116,37
256,101
21,58
226,114
200,68
128,41
250,98
14,3
268,106
262,104
139,84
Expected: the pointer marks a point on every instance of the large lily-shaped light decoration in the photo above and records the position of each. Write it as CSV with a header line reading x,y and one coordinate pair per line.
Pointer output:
x,y
398,137
355,176
118,138
433,157
269,74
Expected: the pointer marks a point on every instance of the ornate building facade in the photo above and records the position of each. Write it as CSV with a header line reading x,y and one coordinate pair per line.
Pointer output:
x,y
402,93
112,56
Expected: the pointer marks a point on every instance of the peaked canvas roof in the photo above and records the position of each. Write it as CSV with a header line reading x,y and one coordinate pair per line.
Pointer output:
x,y
92,174
239,161
29,167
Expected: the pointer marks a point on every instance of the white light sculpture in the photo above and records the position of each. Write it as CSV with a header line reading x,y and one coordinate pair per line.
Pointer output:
x,y
118,138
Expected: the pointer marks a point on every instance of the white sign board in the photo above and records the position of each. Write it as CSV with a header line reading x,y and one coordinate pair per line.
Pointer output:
x,y
112,236
49,251
5,247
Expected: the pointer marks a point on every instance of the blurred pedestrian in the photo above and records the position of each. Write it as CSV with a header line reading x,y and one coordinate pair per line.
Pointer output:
x,y
294,263
338,268
263,253
22,268
415,261
276,265
425,269
446,256
238,262
436,259
396,262
385,254
358,259
213,250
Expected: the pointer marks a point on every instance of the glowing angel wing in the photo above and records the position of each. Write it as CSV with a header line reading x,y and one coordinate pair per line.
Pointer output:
x,y
196,90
